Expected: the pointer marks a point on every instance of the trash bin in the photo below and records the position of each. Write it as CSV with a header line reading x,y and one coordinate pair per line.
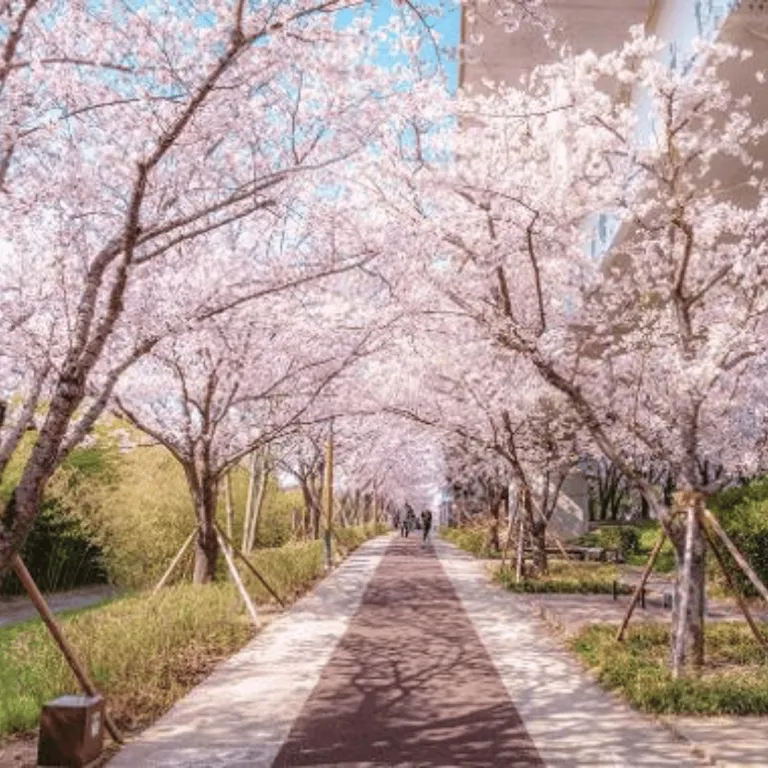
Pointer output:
x,y
71,731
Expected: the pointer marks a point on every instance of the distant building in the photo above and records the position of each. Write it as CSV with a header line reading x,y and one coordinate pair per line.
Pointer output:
x,y
602,26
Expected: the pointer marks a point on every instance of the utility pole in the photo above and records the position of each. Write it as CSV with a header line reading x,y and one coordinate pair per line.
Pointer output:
x,y
328,497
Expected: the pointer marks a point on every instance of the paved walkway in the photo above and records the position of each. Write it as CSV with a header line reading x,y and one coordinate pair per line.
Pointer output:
x,y
404,656
14,610
410,683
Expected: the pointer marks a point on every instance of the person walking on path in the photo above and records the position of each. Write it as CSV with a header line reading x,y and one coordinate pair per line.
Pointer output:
x,y
409,518
405,520
426,524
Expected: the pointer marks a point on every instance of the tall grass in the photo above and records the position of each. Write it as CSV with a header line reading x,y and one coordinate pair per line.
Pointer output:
x,y
734,680
145,652
470,539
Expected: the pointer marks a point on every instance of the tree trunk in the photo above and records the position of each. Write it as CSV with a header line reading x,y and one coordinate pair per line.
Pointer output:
x,y
22,508
539,538
202,487
206,554
492,541
538,531
691,647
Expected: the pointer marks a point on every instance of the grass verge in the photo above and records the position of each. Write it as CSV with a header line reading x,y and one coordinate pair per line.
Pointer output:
x,y
733,682
143,652
566,578
472,540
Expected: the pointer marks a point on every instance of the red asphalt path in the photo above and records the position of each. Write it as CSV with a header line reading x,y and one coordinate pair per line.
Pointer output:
x,y
410,682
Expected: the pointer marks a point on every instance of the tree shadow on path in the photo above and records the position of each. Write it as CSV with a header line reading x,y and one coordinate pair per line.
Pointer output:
x,y
410,682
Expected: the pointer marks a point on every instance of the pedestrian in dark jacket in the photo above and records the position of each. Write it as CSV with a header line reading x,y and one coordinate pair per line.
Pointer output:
x,y
426,523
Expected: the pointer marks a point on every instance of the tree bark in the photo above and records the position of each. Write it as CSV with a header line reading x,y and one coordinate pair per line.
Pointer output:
x,y
203,490
539,536
493,542
538,530
690,588
206,554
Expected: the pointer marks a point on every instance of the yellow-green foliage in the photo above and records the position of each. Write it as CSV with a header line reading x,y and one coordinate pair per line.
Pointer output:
x,y
289,569
141,521
143,652
471,539
351,538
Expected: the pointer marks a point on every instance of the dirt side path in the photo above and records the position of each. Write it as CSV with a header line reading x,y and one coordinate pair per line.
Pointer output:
x,y
410,682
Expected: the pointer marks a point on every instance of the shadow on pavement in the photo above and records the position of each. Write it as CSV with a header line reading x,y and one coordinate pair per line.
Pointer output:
x,y
410,682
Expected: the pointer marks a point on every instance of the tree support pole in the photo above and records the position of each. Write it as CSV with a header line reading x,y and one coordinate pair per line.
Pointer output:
x,y
172,567
732,586
47,616
520,550
737,556
250,607
641,586
252,569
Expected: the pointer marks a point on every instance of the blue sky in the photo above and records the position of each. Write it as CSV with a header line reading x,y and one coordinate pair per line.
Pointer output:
x,y
447,24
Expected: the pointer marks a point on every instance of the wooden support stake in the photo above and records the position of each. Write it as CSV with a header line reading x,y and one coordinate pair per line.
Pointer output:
x,y
733,587
252,569
641,586
47,616
250,607
172,567
520,551
737,556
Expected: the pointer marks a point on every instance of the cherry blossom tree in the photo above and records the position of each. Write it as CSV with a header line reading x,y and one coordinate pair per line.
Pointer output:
x,y
657,345
129,134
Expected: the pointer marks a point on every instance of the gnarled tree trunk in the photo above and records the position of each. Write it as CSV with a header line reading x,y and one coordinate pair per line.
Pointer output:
x,y
202,486
538,533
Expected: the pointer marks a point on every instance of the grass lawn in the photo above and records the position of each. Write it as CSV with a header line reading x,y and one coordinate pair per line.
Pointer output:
x,y
734,680
143,652
566,577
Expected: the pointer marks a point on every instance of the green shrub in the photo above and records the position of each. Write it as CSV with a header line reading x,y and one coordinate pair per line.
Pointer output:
x,y
624,538
60,552
473,540
743,513
565,578
734,682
